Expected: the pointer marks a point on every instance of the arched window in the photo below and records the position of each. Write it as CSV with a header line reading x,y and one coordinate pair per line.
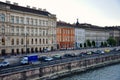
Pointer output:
x,y
3,41
36,41
43,41
12,42
32,41
40,41
2,17
3,29
22,41
46,41
17,41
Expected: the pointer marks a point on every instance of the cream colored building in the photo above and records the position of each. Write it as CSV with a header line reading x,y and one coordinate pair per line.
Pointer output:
x,y
95,33
25,29
114,32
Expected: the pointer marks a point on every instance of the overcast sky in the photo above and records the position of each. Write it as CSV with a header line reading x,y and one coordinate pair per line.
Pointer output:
x,y
96,12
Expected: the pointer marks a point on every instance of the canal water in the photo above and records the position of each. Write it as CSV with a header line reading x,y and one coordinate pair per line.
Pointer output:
x,y
105,73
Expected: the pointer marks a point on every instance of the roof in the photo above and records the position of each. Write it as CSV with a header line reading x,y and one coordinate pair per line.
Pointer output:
x,y
113,28
60,23
89,26
25,9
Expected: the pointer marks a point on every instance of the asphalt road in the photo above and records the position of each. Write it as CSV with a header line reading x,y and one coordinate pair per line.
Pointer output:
x,y
16,59
19,67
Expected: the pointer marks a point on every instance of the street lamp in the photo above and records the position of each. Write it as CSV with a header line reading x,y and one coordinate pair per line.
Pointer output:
x,y
26,42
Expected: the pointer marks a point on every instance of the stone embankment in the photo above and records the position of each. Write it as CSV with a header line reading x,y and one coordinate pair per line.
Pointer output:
x,y
59,69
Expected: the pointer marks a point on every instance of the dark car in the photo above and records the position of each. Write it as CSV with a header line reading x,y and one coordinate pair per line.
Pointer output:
x,y
82,54
70,55
99,52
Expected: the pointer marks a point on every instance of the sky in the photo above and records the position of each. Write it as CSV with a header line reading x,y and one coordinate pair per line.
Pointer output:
x,y
96,12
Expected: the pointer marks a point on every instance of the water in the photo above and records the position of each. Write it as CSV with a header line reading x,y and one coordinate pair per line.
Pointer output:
x,y
105,73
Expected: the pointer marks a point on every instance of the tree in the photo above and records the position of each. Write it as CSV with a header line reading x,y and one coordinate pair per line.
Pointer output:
x,y
111,41
80,45
88,43
85,45
93,43
105,44
102,44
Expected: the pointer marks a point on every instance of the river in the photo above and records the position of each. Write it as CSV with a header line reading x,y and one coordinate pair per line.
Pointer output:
x,y
105,73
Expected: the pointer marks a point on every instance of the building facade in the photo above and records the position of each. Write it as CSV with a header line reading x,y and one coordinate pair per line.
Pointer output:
x,y
79,37
25,29
95,33
114,32
65,35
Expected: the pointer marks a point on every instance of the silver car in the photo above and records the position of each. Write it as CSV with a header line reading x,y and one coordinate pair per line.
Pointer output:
x,y
4,63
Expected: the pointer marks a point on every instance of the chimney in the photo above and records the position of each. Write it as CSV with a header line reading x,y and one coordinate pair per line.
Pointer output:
x,y
44,9
34,8
39,9
8,2
15,3
28,6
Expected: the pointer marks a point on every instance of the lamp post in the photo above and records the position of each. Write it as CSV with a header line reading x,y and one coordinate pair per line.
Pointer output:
x,y
26,41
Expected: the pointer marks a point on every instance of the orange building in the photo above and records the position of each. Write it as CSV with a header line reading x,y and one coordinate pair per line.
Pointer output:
x,y
65,35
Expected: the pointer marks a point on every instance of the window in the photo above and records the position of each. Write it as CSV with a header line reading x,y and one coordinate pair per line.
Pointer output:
x,y
22,42
17,42
17,29
22,30
27,20
32,41
46,41
36,22
46,23
2,17
3,29
40,41
43,41
39,22
27,31
17,19
36,41
36,31
12,19
31,21
22,20
39,32
12,42
3,41
12,29
43,33
43,23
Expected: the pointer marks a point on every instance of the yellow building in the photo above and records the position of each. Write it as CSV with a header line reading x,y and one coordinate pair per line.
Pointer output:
x,y
25,29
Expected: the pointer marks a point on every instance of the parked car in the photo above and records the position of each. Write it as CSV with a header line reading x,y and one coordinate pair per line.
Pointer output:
x,y
70,55
115,49
82,54
4,64
99,52
107,50
48,59
57,57
89,52
45,58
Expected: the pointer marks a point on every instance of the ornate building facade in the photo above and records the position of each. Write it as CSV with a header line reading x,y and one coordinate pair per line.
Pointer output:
x,y
25,29
65,35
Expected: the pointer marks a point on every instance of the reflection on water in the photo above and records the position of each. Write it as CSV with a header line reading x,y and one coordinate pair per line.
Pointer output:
x,y
105,73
